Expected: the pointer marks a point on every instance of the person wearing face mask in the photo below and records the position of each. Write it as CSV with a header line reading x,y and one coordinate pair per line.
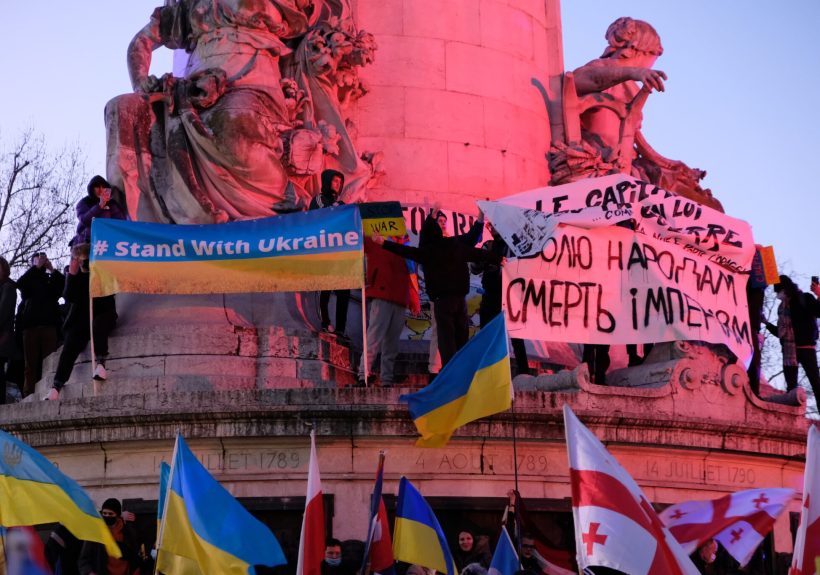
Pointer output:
x,y
797,331
332,563
93,558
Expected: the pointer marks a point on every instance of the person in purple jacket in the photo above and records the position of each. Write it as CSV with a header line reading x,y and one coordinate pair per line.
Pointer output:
x,y
97,204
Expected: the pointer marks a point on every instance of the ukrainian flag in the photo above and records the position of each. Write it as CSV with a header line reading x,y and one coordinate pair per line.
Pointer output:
x,y
474,384
417,536
205,530
33,492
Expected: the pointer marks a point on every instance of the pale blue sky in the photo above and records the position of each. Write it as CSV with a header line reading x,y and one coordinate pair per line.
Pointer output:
x,y
739,99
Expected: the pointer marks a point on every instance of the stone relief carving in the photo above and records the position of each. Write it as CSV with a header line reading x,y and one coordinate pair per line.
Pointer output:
x,y
601,105
257,115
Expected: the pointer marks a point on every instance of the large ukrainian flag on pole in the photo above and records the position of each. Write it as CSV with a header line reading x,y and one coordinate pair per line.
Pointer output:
x,y
33,492
474,384
205,530
417,536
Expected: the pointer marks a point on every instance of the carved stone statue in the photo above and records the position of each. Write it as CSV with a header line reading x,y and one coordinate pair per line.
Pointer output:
x,y
601,105
253,121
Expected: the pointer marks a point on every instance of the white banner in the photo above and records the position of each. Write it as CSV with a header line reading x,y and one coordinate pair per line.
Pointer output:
x,y
614,286
657,213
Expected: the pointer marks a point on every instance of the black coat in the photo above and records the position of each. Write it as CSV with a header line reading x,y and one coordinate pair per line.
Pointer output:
x,y
444,261
40,291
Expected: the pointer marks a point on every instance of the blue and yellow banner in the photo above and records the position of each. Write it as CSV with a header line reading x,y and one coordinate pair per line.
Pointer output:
x,y
34,492
305,251
417,535
205,528
475,383
383,218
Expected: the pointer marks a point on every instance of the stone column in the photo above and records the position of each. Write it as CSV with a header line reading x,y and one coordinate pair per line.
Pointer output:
x,y
451,101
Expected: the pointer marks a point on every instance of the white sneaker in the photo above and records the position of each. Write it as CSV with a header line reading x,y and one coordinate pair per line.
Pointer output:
x,y
53,395
99,372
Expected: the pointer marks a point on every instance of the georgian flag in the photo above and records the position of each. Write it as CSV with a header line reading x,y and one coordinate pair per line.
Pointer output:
x,y
739,520
615,525
806,558
312,537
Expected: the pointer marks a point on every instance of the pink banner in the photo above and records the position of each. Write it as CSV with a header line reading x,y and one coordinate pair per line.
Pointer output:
x,y
615,286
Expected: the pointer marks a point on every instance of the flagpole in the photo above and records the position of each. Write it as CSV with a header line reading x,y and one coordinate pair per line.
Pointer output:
x,y
165,507
515,470
365,569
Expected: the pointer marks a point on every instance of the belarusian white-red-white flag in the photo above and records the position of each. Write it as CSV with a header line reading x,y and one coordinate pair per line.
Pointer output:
x,y
739,520
806,558
615,525
312,538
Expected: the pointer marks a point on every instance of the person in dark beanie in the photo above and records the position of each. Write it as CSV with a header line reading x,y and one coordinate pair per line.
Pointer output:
x,y
98,203
94,559
333,183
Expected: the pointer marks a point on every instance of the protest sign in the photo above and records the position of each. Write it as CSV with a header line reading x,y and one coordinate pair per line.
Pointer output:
x,y
305,251
657,213
614,286
384,218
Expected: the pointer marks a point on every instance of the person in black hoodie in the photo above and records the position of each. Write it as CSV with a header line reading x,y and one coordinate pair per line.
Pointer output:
x,y
444,263
333,183
40,287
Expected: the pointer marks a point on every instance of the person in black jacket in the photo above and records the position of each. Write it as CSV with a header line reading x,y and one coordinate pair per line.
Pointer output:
x,y
94,559
8,346
333,183
491,298
76,327
797,330
40,287
444,263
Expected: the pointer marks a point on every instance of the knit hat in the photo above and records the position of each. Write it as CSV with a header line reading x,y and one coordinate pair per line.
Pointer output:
x,y
113,505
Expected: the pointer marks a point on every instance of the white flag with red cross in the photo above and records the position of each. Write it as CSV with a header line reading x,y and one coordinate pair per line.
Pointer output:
x,y
739,520
615,525
806,558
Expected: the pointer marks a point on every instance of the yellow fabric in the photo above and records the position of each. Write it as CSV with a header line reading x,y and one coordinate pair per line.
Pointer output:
x,y
179,538
25,502
285,273
415,542
489,394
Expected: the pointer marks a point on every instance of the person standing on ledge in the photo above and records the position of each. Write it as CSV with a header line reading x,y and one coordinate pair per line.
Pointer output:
x,y
797,331
333,183
444,264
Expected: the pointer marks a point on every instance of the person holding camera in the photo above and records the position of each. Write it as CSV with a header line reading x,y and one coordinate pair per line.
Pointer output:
x,y
97,204
40,287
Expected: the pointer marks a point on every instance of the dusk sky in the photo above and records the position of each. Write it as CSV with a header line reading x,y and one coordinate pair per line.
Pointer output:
x,y
738,102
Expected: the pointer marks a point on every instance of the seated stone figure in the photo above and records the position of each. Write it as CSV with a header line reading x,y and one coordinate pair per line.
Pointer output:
x,y
601,105
233,138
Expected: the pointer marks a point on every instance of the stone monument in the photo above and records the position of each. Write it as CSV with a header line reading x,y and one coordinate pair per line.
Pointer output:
x,y
444,108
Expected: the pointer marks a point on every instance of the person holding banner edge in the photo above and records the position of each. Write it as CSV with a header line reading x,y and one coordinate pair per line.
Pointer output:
x,y
447,279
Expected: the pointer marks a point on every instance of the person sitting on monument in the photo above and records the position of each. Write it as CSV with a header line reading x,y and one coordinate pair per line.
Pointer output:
x,y
76,326
444,264
94,559
98,203
797,331
389,292
333,183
